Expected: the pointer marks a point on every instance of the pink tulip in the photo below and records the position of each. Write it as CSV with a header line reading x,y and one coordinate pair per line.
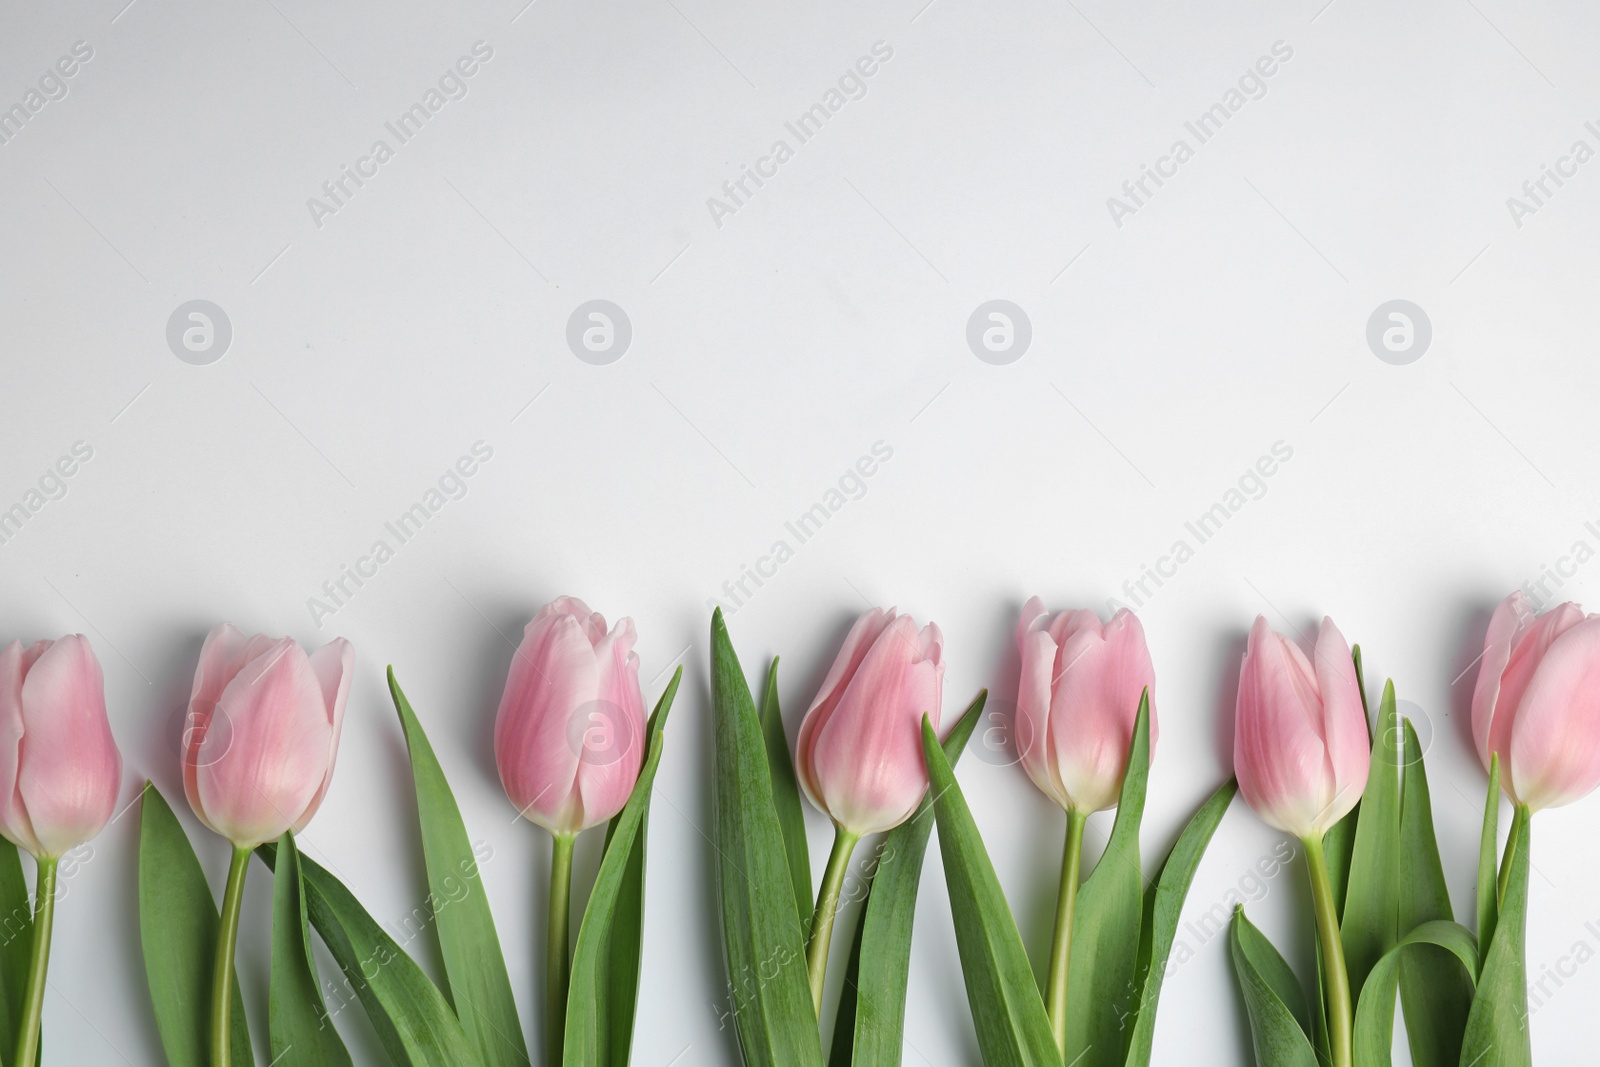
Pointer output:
x,y
569,738
1300,746
1537,702
262,732
859,754
59,765
1078,701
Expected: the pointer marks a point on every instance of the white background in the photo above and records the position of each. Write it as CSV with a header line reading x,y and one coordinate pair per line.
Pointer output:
x,y
768,353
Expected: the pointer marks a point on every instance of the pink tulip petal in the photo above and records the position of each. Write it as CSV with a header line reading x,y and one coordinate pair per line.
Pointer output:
x,y
607,772
553,680
1278,755
1034,745
1528,651
867,757
256,777
1511,616
1344,716
1102,673
13,813
69,765
862,635
333,665
1555,739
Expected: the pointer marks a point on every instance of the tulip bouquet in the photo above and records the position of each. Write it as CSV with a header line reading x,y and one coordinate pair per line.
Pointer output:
x,y
574,750
1086,729
1358,801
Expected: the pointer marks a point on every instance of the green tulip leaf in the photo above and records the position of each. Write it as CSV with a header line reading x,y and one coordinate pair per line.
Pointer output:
x,y
1273,999
1007,1011
1163,904
1106,927
869,1030
1435,992
457,908
178,924
300,1029
1369,925
16,943
414,1022
786,798
1373,1036
769,992
625,944
1488,876
588,1033
1497,1028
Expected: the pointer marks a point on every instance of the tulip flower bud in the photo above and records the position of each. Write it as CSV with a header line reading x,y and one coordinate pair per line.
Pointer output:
x,y
569,737
59,765
262,732
859,753
1078,702
1537,702
1300,743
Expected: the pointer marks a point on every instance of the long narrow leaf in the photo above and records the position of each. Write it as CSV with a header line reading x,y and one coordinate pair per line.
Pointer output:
x,y
588,1036
1007,1011
626,942
1272,998
1105,932
1488,874
769,996
1435,991
300,1030
869,1030
414,1022
1497,1028
178,924
16,943
1374,1023
1163,904
786,798
1369,926
476,982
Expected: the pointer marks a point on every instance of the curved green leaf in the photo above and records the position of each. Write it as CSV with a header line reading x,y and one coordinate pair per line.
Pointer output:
x,y
178,924
786,798
588,1035
16,943
769,994
457,908
869,1030
1105,930
1007,1011
1374,1024
1488,874
1273,998
1163,904
1434,991
626,942
1369,925
1497,1028
300,1029
414,1022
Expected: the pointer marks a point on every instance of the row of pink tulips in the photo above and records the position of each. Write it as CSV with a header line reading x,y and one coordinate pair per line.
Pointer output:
x,y
264,722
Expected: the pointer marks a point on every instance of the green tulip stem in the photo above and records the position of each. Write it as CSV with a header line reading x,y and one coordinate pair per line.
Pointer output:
x,y
1061,942
556,961
844,843
44,910
222,969
1335,978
